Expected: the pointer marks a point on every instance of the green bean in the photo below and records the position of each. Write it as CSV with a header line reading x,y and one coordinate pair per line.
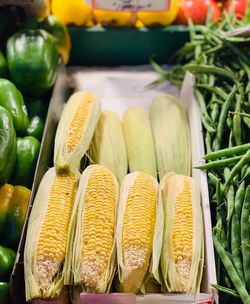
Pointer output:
x,y
231,140
245,160
235,231
229,122
245,297
215,112
225,278
222,118
197,52
206,120
220,231
226,290
230,204
245,237
213,101
236,113
237,120
246,174
208,141
214,179
219,163
196,68
247,122
227,152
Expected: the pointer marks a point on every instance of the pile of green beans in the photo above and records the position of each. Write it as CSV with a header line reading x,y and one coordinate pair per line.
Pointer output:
x,y
221,65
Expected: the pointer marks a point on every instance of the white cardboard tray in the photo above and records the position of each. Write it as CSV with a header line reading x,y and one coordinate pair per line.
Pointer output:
x,y
122,87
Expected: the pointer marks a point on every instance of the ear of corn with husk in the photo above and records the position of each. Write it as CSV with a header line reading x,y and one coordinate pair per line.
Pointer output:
x,y
75,130
46,240
91,250
139,141
171,135
183,244
108,146
135,229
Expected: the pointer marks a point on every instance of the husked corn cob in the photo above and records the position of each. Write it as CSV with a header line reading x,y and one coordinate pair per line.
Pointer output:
x,y
46,239
171,135
135,229
75,130
92,249
183,245
139,141
108,146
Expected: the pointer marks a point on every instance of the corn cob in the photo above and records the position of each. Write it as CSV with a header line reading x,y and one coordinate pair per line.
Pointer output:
x,y
139,141
183,246
171,135
75,130
91,252
46,239
108,146
135,229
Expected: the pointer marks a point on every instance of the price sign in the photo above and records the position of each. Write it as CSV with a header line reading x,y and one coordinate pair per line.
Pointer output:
x,y
132,5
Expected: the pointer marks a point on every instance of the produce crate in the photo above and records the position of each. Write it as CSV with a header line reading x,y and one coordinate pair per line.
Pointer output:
x,y
119,88
126,46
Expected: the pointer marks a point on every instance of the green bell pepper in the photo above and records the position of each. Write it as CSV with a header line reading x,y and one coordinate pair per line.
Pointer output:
x,y
7,260
15,217
37,110
27,154
53,25
12,100
32,59
3,66
5,293
8,145
36,127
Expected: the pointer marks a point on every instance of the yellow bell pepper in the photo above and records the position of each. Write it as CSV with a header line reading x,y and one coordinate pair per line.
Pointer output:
x,y
76,12
13,207
162,18
113,18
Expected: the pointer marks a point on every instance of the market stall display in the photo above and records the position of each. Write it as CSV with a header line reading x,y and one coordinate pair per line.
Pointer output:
x,y
128,174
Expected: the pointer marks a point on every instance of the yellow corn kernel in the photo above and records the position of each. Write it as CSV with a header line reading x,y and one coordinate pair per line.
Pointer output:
x,y
93,248
183,232
78,122
46,241
182,252
135,230
75,130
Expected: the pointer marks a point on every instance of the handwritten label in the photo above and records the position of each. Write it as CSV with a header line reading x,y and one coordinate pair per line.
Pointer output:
x,y
132,5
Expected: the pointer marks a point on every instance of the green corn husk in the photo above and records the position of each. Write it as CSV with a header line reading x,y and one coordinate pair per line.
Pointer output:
x,y
108,146
171,135
92,232
181,261
75,130
139,141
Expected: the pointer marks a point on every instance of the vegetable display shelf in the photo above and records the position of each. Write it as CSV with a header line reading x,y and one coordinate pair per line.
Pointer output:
x,y
59,97
125,46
